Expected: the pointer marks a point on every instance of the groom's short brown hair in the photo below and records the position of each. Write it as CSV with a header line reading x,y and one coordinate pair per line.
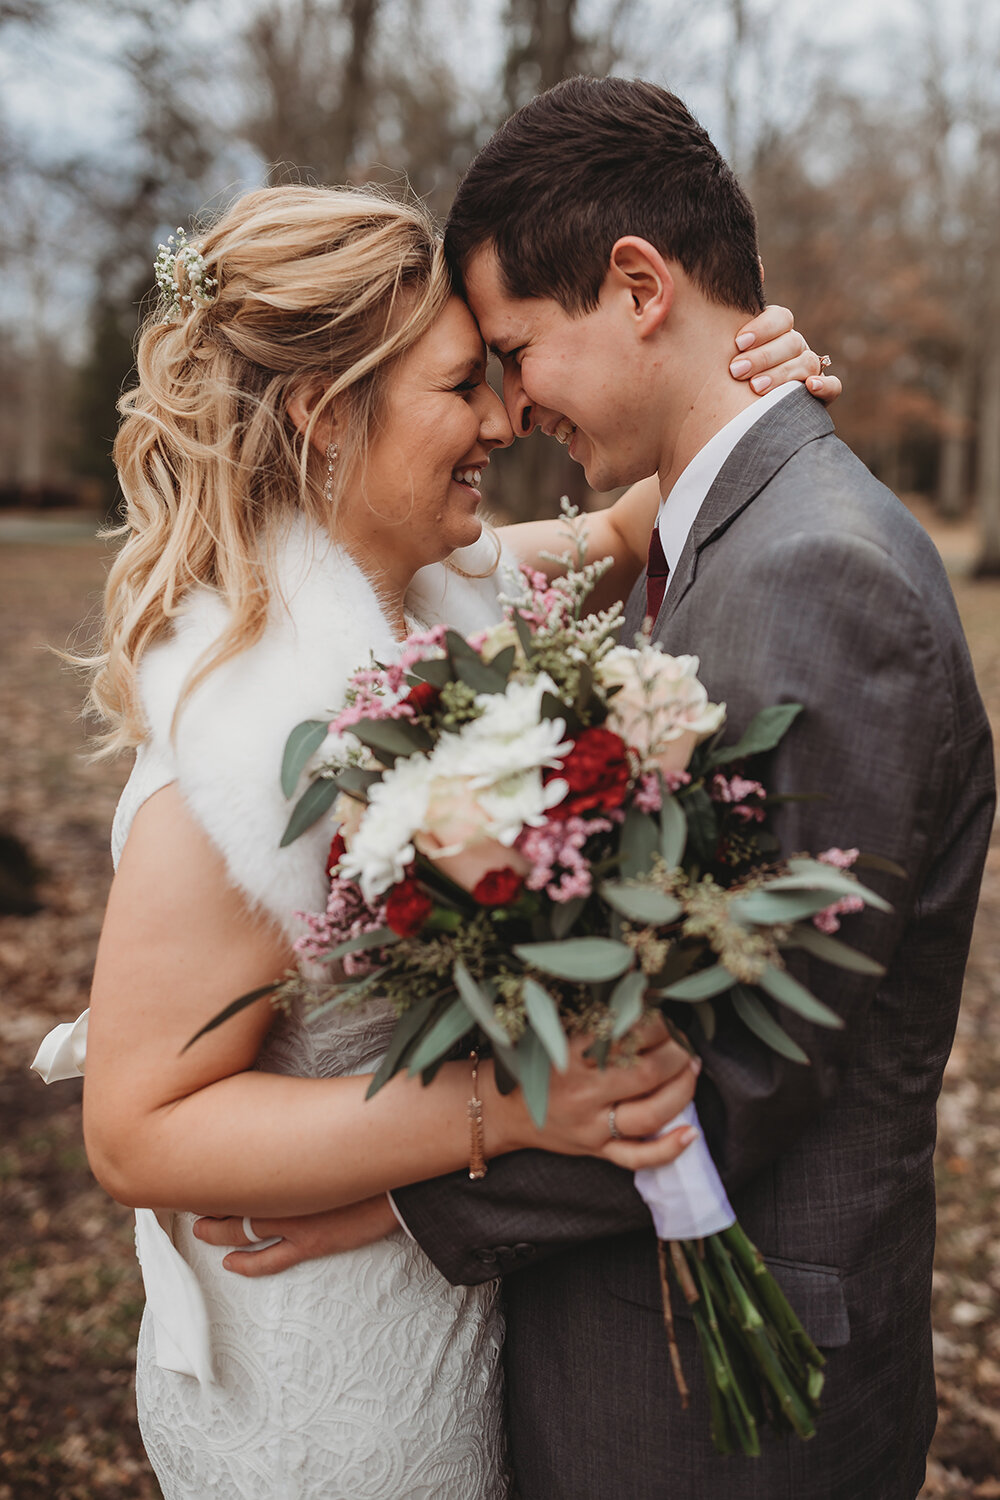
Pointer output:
x,y
587,162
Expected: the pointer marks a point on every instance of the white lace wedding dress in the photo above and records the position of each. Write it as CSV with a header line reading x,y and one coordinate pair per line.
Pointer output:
x,y
362,1376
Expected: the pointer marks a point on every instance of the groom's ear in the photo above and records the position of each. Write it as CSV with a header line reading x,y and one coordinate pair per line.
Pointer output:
x,y
637,271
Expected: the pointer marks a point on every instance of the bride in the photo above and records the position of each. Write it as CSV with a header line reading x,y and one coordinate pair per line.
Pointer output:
x,y
300,457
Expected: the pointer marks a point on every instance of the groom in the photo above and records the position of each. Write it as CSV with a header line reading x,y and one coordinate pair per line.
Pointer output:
x,y
610,256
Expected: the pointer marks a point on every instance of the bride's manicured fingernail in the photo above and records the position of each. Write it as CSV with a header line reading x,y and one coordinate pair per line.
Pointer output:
x,y
696,1065
740,367
745,340
689,1135
814,383
760,383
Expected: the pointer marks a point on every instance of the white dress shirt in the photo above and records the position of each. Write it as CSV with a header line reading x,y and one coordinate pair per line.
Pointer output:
x,y
677,512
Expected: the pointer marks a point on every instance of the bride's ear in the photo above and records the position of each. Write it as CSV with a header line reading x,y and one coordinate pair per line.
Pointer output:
x,y
302,406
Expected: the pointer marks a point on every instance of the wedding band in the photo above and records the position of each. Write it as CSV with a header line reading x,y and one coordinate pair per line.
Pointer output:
x,y
613,1130
253,1239
824,362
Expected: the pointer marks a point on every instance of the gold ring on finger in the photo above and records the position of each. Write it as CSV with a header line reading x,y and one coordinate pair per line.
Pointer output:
x,y
824,362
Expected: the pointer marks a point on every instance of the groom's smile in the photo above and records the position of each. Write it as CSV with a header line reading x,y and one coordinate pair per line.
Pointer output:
x,y
575,376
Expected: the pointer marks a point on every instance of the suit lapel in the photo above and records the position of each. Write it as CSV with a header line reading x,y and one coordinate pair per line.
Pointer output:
x,y
753,463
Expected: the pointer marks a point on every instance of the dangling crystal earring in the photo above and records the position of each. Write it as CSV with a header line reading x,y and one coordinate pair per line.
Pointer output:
x,y
332,453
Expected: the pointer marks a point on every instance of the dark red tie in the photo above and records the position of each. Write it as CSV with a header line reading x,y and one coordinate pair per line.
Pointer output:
x,y
657,573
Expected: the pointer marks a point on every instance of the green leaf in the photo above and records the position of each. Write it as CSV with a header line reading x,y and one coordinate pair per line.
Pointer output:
x,y
646,904
764,908
552,707
585,688
301,745
703,985
349,992
833,951
406,1030
504,660
766,730
436,670
317,798
232,1009
640,841
392,737
879,862
448,1029
543,1014
813,875
533,1072
585,960
703,824
626,1002
564,915
524,634
673,831
480,1004
478,675
355,781
755,1015
705,1011
378,937
782,986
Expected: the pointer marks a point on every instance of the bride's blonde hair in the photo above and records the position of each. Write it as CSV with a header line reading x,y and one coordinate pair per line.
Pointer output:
x,y
319,290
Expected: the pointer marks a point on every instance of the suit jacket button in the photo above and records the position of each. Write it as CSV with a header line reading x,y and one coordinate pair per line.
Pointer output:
x,y
524,1249
485,1257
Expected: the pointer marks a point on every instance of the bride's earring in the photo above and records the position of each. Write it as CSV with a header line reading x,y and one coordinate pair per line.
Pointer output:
x,y
332,453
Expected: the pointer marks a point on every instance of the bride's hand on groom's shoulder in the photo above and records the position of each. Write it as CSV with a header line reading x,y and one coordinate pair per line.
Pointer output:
x,y
770,351
616,1112
305,1237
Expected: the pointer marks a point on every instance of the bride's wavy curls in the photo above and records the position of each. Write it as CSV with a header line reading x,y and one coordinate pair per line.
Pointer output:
x,y
319,289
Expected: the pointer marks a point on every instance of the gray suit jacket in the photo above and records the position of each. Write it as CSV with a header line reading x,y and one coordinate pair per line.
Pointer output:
x,y
803,580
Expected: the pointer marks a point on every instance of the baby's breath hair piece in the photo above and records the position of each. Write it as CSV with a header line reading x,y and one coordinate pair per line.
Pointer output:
x,y
182,277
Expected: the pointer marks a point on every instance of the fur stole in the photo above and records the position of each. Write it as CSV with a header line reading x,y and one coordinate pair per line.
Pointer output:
x,y
227,745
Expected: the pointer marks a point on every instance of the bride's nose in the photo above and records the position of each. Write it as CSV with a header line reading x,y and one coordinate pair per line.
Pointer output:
x,y
494,426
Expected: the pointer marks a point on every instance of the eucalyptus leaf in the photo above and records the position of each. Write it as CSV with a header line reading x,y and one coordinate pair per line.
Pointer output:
x,y
673,831
436,670
543,1015
479,1004
703,824
317,799
782,986
627,1001
705,1011
553,708
879,862
765,908
392,737
301,745
478,675
534,1072
585,960
378,937
765,730
813,875
564,915
524,634
356,781
640,841
405,1032
346,993
755,1015
703,985
645,904
504,660
448,1029
232,1009
833,951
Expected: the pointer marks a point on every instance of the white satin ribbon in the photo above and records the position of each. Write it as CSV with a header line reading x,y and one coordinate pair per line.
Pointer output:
x,y
174,1296
686,1197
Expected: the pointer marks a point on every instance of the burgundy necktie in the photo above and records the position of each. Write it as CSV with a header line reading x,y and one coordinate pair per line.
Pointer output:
x,y
657,573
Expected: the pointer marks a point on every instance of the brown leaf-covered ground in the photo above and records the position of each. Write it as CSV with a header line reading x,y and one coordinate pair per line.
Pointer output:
x,y
70,1295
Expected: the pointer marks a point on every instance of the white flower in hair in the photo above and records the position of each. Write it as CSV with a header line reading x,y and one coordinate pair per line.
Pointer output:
x,y
193,287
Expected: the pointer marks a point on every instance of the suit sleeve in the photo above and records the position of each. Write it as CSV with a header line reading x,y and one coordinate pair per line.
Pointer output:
x,y
838,627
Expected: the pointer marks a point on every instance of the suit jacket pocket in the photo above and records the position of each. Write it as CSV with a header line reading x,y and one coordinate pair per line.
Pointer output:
x,y
816,1292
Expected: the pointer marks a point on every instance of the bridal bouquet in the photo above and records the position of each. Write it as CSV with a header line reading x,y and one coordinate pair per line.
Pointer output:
x,y
540,834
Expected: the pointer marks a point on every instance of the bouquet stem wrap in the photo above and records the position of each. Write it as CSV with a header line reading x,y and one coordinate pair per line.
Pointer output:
x,y
760,1363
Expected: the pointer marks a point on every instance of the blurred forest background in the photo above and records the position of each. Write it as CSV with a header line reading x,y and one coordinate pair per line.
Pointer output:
x,y
869,139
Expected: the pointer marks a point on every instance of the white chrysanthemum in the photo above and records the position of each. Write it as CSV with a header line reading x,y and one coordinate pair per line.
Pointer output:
x,y
383,845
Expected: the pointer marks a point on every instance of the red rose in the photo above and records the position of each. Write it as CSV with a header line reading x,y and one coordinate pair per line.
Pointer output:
x,y
598,772
423,698
337,851
408,907
498,887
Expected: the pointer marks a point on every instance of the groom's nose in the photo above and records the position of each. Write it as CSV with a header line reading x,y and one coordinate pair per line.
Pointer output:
x,y
519,408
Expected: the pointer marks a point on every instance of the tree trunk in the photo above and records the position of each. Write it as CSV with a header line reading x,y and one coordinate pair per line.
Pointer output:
x,y
988,471
952,493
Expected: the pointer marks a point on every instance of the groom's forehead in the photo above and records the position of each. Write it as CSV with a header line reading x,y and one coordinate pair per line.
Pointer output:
x,y
502,318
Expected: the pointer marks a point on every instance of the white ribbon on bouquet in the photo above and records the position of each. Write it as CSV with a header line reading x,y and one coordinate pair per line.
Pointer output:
x,y
686,1197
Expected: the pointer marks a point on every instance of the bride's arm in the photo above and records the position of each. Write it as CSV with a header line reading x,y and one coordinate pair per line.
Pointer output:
x,y
203,1130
